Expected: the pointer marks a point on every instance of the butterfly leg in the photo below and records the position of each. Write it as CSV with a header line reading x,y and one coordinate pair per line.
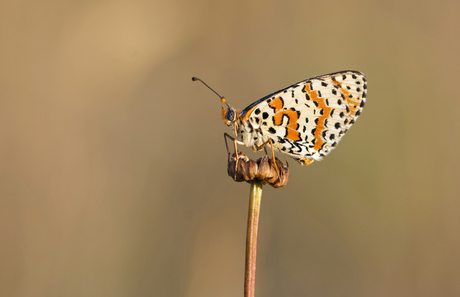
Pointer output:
x,y
273,158
273,152
257,148
226,144
235,143
271,146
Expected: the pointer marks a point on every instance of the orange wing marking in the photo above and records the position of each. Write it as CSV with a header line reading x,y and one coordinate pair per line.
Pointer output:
x,y
292,115
326,112
248,114
277,104
352,103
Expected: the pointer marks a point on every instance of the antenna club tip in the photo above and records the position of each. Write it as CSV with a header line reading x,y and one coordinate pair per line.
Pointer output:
x,y
195,78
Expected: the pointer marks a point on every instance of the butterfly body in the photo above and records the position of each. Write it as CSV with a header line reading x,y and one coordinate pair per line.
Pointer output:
x,y
305,120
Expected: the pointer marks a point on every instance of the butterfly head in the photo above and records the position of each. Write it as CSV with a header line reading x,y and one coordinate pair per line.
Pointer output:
x,y
229,114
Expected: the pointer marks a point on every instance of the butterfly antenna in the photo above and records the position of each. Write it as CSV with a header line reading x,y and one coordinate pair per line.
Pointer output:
x,y
222,99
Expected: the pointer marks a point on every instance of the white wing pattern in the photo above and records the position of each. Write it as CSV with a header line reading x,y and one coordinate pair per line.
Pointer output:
x,y
308,119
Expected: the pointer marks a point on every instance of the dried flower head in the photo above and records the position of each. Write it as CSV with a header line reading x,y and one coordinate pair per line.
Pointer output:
x,y
264,170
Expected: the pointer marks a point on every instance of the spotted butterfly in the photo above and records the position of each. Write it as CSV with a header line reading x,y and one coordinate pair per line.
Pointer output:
x,y
305,120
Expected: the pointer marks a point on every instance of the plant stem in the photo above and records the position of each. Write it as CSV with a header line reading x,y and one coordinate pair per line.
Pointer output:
x,y
251,239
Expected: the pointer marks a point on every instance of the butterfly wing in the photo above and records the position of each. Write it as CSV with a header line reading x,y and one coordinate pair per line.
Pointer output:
x,y
308,119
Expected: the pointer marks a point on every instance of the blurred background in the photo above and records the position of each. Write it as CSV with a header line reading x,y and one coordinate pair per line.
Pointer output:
x,y
113,165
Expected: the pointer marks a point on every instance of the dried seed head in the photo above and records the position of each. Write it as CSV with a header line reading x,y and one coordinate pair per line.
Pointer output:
x,y
264,170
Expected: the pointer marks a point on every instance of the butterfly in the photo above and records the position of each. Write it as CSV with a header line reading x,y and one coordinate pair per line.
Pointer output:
x,y
305,120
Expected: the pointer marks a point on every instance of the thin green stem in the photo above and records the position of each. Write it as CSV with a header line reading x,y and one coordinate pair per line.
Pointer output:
x,y
251,239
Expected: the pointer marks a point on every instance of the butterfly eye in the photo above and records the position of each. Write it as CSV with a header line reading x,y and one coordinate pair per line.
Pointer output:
x,y
231,115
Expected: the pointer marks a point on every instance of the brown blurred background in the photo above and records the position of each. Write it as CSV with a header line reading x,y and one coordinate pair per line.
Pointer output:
x,y
113,165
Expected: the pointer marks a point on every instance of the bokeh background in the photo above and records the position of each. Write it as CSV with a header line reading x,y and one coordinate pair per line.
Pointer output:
x,y
113,166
